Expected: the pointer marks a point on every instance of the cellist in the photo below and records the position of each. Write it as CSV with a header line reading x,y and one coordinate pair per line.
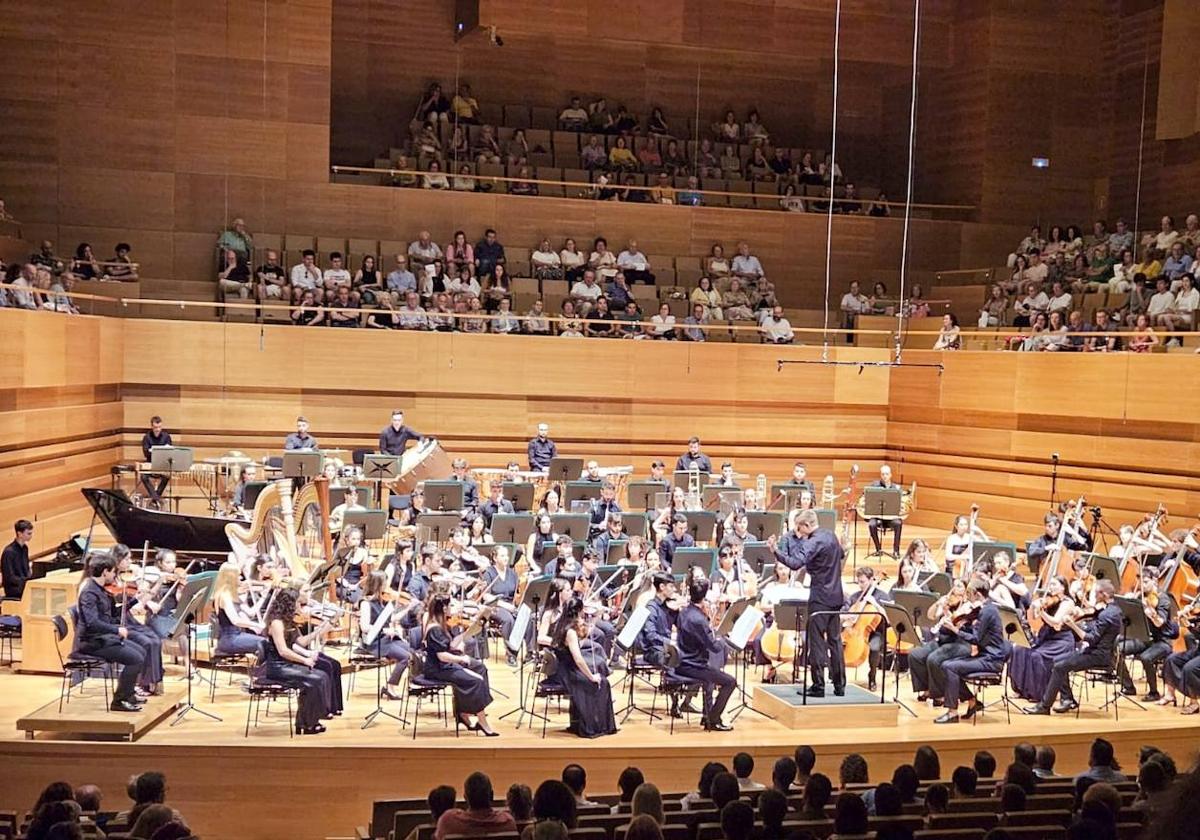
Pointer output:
x,y
869,595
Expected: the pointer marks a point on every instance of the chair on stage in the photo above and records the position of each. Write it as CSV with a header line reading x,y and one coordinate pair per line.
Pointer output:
x,y
261,688
230,663
673,686
545,688
10,629
980,682
76,664
1107,676
422,689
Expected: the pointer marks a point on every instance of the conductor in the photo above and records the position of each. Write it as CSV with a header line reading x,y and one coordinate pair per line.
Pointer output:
x,y
817,551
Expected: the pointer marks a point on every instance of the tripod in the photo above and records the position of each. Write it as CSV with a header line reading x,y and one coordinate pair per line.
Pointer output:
x,y
1100,531
190,706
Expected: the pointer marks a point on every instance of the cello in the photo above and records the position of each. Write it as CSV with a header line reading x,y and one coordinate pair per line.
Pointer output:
x,y
864,618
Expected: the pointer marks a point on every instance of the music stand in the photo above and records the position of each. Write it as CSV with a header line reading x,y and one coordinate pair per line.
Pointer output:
x,y
985,552
827,518
882,503
900,620
940,583
580,491
627,641
438,526
518,493
512,527
616,552
689,556
641,494
301,464
701,522
1014,630
372,522
574,525
682,478
714,496
784,496
737,628
537,590
1135,626
762,523
635,524
563,470
444,495
381,467
757,555
169,460
337,495
790,617
916,604
185,621
251,493
1105,568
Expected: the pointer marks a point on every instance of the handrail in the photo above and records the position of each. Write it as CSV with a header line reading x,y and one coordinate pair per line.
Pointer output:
x,y
337,169
989,271
992,333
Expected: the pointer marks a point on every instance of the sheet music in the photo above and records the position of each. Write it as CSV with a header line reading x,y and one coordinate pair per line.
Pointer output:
x,y
750,621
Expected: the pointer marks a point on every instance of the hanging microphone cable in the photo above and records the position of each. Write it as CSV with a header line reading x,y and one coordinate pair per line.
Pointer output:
x,y
837,36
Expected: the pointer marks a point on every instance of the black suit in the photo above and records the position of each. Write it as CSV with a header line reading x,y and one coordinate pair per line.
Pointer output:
x,y
821,554
986,634
1100,646
155,485
1150,652
699,651
489,509
897,525
99,635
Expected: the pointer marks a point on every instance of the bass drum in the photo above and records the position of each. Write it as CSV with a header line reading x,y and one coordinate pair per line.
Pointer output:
x,y
427,462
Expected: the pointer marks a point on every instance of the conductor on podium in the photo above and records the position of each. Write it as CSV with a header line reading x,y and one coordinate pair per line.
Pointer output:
x,y
818,551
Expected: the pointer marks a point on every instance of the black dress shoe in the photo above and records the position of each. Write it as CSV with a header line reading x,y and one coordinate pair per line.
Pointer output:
x,y
813,691
839,692
689,708
1036,709
125,706
1128,690
718,727
947,717
1066,706
1152,697
970,712
937,702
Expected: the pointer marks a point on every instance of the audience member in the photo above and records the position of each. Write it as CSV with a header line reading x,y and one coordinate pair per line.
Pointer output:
x,y
817,793
743,768
853,771
904,779
647,801
783,775
965,781
850,817
737,820
553,800
772,811
703,792
937,799
927,764
151,820
805,758
1044,763
1102,764
519,801
479,817
985,764
643,827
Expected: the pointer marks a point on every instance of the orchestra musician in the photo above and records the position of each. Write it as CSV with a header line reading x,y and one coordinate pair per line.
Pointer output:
x,y
1029,668
869,591
658,474
500,582
925,662
1181,670
477,531
957,547
583,671
614,531
291,662
551,501
1008,587
736,531
699,649
599,509
678,537
541,450
1040,548
727,479
155,485
564,564
349,502
130,604
300,440
101,634
1164,630
693,458
818,551
463,556
249,474
800,478
1099,645
162,598
591,472
237,632
541,542
445,662
14,562
733,578
395,436
661,619
1180,552
355,561
908,573
380,633
986,635
496,503
421,587
874,523
459,472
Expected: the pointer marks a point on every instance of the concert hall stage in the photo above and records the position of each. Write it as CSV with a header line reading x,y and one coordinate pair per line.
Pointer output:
x,y
323,786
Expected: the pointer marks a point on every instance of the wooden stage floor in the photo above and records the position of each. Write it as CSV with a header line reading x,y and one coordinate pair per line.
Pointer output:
x,y
323,786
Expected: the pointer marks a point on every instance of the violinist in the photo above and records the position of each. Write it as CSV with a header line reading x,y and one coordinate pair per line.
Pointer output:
x,y
445,662
237,633
132,611
500,584
1181,670
614,531
986,635
420,582
463,555
355,562
478,533
925,662
289,662
699,648
908,574
540,547
1164,630
596,592
101,634
600,509
559,593
1007,585
551,502
162,598
583,670
399,571
870,595
380,633
1097,650
1029,670
564,564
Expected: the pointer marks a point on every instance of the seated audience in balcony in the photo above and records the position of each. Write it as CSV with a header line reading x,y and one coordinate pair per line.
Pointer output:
x,y
464,181
599,117
601,260
574,262
1033,241
1177,264
434,178
632,190
1164,238
854,303
367,278
620,157
400,281
1145,337
487,146
995,309
436,280
1100,269
1181,315
630,319
306,313
404,177
593,155
441,315
664,322
917,306
736,303
272,279
602,323
234,277
236,237
517,149
489,253
878,303
731,164
385,317
790,201
753,131
1102,343
465,106
746,266
586,292
464,286
1034,301
707,297
728,130
121,267
1059,299
674,161
1123,272
85,266
545,263
522,185
335,277
1020,276
648,155
1098,237
472,322
460,254
496,287
693,323
948,337
691,196
635,264
707,165
411,316
775,328
434,107
570,325
662,192
1161,302
459,146
831,173
536,322
618,292
423,251
342,312
574,117
428,146
1055,243
759,168
624,122
505,321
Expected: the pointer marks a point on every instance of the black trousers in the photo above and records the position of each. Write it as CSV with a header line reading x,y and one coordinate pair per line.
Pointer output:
x,y
128,654
897,525
155,485
711,679
1149,654
1177,664
825,649
1060,674
927,664
957,670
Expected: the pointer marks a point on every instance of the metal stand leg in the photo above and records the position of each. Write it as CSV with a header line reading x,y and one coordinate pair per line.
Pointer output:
x,y
189,706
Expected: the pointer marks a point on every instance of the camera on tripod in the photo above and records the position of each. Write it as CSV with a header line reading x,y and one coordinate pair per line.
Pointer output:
x,y
1096,512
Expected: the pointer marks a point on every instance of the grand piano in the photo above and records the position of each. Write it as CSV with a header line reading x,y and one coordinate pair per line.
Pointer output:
x,y
191,536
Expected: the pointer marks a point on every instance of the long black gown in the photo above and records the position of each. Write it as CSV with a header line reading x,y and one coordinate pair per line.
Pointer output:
x,y
591,709
313,683
471,691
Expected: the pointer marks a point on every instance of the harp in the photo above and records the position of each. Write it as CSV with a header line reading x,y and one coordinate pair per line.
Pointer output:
x,y
292,527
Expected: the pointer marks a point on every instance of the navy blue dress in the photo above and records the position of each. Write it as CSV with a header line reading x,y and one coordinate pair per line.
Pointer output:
x,y
1029,668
